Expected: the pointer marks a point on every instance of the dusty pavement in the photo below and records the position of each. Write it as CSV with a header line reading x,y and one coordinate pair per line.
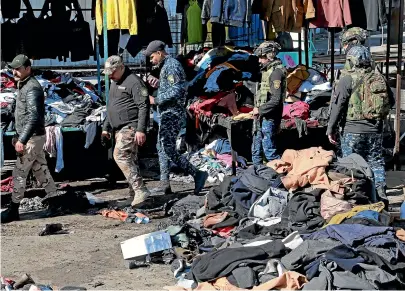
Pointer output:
x,y
89,256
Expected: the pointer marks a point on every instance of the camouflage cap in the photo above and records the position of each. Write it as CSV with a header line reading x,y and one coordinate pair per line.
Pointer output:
x,y
267,47
354,33
111,64
359,56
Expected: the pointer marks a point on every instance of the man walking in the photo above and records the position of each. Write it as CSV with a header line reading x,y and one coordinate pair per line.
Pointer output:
x,y
170,101
361,103
30,126
268,102
127,115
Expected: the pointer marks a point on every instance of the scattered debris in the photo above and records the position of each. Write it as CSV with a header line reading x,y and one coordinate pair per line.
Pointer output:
x,y
97,284
31,204
53,228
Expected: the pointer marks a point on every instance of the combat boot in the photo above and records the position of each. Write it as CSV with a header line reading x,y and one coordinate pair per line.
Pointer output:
x,y
162,188
11,214
141,195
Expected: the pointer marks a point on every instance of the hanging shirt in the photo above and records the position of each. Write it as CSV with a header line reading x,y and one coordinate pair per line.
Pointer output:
x,y
121,14
194,24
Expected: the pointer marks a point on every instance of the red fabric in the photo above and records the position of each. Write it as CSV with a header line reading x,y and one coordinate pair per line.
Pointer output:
x,y
7,185
332,13
297,109
3,104
245,109
56,80
224,231
80,91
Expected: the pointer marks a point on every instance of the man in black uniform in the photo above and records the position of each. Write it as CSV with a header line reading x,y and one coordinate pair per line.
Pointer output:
x,y
127,115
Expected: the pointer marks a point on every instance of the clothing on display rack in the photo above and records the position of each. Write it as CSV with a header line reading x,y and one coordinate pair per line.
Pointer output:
x,y
120,15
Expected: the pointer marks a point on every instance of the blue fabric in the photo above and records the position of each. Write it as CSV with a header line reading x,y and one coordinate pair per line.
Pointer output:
x,y
91,131
263,142
1,149
357,234
60,164
250,34
211,84
369,214
216,11
172,87
235,12
222,146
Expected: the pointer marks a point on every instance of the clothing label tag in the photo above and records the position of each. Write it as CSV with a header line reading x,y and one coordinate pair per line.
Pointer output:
x,y
121,87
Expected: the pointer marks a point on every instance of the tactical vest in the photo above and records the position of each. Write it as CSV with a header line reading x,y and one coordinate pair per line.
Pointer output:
x,y
265,88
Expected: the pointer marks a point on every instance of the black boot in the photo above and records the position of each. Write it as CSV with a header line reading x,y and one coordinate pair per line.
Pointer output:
x,y
11,214
162,188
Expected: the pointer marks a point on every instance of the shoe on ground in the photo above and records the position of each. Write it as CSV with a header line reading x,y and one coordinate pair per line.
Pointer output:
x,y
11,214
141,196
162,188
199,180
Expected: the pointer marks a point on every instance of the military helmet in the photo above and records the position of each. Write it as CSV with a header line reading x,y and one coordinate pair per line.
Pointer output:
x,y
354,34
359,56
267,47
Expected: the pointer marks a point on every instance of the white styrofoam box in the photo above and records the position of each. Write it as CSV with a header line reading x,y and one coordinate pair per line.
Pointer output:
x,y
146,244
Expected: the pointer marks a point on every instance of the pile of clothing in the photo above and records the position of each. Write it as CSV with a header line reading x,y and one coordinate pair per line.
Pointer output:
x,y
227,80
307,103
219,85
215,159
69,102
307,221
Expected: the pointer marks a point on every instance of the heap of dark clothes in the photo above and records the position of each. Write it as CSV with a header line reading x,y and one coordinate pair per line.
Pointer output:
x,y
289,226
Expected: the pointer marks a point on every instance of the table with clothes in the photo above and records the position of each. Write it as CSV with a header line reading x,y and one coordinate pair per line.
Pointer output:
x,y
308,221
71,106
223,90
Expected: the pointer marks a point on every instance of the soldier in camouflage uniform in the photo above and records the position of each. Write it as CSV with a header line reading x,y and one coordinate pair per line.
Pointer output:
x,y
349,38
170,101
268,102
360,114
30,127
127,115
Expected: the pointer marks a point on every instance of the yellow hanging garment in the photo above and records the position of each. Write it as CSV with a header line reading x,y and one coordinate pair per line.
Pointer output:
x,y
121,14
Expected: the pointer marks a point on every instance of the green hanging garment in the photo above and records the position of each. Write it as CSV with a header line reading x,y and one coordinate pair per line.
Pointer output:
x,y
194,24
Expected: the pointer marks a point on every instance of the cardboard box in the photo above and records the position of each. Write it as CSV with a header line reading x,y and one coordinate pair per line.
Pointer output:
x,y
146,244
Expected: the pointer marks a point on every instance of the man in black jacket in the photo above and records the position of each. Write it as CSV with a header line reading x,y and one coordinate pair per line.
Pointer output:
x,y
30,127
127,115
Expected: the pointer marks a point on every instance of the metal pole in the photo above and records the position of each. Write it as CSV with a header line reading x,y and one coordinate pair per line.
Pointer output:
x,y
332,55
306,44
300,48
387,59
107,82
98,64
398,89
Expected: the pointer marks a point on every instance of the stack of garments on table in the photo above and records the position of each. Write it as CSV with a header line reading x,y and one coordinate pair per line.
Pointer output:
x,y
308,99
219,85
308,221
69,102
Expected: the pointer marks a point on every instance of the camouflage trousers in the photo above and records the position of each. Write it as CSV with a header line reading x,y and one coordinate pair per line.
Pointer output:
x,y
33,159
369,146
169,128
263,142
126,157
